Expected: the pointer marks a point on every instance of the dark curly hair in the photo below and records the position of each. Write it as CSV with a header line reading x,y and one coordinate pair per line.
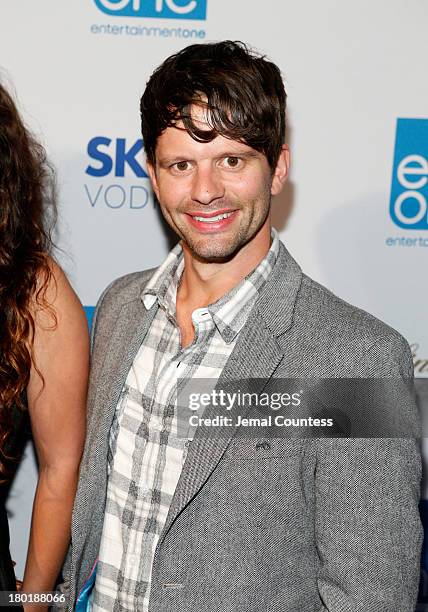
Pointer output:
x,y
243,92
27,216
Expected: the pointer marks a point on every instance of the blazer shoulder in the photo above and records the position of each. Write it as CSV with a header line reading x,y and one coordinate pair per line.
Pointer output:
x,y
350,330
121,291
126,288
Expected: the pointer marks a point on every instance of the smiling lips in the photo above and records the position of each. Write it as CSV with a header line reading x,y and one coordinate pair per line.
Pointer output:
x,y
212,222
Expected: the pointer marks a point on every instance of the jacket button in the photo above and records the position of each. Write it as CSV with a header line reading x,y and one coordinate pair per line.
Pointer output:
x,y
265,445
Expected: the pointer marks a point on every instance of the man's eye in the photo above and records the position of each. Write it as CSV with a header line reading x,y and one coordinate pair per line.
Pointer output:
x,y
182,165
232,162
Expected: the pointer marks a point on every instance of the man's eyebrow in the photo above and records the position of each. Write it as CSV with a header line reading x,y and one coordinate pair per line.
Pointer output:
x,y
168,161
244,154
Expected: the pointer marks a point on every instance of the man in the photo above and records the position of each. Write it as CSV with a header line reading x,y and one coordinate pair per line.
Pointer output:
x,y
163,523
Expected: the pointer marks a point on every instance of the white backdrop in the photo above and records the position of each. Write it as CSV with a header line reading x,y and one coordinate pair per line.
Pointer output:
x,y
351,70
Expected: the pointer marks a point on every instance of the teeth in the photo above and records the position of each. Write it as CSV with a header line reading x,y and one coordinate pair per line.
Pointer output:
x,y
212,219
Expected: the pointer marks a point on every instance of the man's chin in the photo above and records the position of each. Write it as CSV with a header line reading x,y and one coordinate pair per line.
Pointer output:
x,y
212,252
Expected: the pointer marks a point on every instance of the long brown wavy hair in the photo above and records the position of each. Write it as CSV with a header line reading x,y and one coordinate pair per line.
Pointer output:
x,y
27,217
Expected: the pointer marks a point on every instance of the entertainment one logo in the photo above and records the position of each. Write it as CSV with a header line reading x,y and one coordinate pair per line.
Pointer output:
x,y
122,160
163,9
409,189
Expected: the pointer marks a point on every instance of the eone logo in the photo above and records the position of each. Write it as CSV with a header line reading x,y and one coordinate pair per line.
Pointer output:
x,y
165,9
409,189
117,158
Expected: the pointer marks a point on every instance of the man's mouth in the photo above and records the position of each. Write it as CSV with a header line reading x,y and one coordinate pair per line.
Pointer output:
x,y
210,222
214,219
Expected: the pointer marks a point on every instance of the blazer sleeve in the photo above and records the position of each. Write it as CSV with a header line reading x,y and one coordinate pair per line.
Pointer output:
x,y
62,593
367,526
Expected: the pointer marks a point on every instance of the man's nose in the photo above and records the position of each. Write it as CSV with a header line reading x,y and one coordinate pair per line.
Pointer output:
x,y
206,186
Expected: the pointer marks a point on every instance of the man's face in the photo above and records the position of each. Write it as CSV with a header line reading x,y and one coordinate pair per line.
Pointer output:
x,y
215,195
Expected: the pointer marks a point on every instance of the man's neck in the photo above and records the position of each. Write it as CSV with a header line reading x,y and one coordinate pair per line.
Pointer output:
x,y
204,283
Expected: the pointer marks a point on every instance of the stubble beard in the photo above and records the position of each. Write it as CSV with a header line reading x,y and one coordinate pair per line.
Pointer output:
x,y
211,249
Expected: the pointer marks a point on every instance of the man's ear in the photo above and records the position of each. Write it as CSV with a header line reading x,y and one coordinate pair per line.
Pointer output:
x,y
281,170
151,170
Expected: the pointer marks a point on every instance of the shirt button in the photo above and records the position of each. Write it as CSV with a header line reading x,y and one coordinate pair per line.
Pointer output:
x,y
200,314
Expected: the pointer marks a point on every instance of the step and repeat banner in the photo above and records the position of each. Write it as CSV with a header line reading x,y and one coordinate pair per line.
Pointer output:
x,y
354,212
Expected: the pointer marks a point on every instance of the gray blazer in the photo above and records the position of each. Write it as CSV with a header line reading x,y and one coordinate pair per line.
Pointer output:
x,y
302,525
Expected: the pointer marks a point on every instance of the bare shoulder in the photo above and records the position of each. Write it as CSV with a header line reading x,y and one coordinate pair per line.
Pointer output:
x,y
56,304
61,336
57,387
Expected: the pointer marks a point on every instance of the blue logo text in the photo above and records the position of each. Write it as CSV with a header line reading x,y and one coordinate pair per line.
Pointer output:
x,y
409,189
120,160
116,160
164,9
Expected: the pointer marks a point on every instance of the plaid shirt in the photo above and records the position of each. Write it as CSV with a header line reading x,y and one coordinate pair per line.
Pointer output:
x,y
146,455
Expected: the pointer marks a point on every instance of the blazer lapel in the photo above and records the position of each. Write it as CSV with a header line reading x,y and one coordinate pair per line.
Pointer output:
x,y
256,356
206,450
131,326
126,335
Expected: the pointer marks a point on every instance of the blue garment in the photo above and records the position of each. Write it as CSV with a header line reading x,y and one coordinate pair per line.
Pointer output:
x,y
84,600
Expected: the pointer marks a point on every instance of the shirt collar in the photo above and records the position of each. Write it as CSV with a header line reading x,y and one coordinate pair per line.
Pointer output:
x,y
231,311
162,287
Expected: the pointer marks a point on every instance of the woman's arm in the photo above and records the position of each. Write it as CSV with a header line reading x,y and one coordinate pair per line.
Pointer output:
x,y
56,401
